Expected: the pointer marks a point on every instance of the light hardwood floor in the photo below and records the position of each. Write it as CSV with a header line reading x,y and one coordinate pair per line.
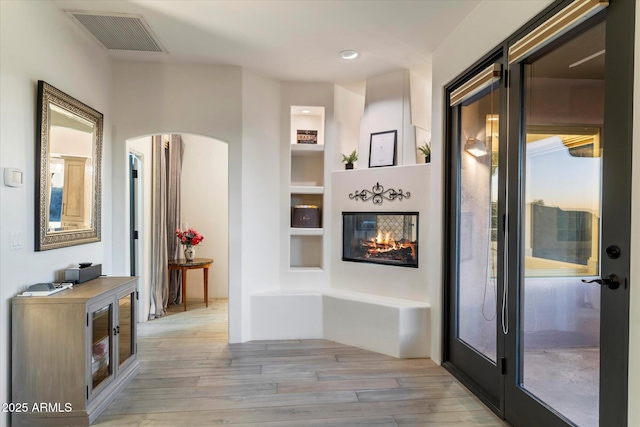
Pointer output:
x,y
190,376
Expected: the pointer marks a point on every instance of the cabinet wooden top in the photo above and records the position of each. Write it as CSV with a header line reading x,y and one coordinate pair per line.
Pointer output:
x,y
82,292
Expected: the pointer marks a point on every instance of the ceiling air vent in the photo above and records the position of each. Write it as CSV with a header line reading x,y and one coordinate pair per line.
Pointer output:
x,y
118,31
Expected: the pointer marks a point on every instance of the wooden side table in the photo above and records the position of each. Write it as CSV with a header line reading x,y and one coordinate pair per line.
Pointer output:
x,y
184,265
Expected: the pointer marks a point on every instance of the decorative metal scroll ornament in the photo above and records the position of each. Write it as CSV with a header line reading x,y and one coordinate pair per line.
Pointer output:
x,y
378,194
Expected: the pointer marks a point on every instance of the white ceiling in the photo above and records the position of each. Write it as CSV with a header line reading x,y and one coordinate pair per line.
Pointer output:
x,y
294,39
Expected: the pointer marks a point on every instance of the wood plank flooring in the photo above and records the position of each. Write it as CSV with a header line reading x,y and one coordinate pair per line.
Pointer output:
x,y
190,376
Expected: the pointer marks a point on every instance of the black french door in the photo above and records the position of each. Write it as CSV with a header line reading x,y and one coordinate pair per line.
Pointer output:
x,y
475,350
133,212
538,220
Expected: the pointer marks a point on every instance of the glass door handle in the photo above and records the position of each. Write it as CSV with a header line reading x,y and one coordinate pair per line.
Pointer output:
x,y
612,281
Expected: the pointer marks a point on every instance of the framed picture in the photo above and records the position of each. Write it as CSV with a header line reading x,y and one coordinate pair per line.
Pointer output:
x,y
307,136
382,151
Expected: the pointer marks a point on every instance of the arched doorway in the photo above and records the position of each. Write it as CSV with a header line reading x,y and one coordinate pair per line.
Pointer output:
x,y
205,207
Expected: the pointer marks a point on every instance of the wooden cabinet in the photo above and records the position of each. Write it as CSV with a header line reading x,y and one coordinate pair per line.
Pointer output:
x,y
73,351
74,206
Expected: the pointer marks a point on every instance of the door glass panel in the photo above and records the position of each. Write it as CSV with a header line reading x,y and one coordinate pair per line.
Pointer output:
x,y
560,315
478,223
125,322
101,345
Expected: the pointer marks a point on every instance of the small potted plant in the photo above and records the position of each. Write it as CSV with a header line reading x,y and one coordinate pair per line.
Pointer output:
x,y
348,160
426,151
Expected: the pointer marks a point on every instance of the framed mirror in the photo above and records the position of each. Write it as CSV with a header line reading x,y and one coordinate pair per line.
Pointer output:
x,y
69,154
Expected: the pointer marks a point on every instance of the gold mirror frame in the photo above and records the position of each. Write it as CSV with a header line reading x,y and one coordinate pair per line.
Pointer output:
x,y
45,238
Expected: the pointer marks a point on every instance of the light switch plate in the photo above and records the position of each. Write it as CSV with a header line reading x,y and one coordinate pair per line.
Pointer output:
x,y
13,177
16,241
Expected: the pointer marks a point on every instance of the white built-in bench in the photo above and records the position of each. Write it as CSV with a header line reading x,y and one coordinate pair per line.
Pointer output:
x,y
392,326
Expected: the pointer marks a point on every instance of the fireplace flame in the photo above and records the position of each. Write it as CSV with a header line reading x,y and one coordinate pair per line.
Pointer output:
x,y
380,245
386,241
381,239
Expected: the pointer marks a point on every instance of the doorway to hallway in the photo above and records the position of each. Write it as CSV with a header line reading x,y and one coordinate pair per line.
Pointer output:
x,y
204,201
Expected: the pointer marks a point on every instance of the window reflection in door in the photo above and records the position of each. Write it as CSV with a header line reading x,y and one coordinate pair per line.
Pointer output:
x,y
477,238
563,167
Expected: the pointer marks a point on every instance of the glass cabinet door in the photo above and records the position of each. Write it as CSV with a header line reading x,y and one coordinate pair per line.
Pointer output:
x,y
101,344
124,328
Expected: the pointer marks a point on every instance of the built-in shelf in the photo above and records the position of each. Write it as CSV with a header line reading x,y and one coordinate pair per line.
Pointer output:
x,y
307,189
306,185
307,149
306,269
307,231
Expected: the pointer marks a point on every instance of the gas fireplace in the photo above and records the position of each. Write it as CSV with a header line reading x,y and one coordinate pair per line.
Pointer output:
x,y
389,238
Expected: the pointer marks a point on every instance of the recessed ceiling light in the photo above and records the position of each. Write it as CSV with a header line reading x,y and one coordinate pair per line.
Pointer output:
x,y
349,54
305,111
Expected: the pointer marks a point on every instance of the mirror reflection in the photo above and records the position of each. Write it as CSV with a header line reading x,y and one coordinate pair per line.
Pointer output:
x,y
70,169
70,146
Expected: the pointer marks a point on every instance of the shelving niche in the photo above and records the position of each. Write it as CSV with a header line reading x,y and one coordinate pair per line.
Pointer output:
x,y
306,185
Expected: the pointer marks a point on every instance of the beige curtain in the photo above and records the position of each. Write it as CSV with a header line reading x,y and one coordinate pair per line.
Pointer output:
x,y
167,168
175,153
159,256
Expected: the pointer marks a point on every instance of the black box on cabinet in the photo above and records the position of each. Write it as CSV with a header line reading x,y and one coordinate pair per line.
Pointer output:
x,y
305,216
83,274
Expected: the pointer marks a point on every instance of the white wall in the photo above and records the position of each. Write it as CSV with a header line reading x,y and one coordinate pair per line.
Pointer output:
x,y
384,280
37,42
154,98
205,207
70,142
228,104
472,39
349,107
420,88
261,233
387,108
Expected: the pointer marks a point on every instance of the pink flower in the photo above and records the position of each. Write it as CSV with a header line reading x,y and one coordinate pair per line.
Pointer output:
x,y
189,237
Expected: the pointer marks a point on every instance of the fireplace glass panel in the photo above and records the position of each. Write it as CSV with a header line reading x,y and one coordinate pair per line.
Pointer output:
x,y
389,238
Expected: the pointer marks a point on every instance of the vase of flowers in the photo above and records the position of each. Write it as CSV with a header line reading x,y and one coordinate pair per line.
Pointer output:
x,y
189,238
189,253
